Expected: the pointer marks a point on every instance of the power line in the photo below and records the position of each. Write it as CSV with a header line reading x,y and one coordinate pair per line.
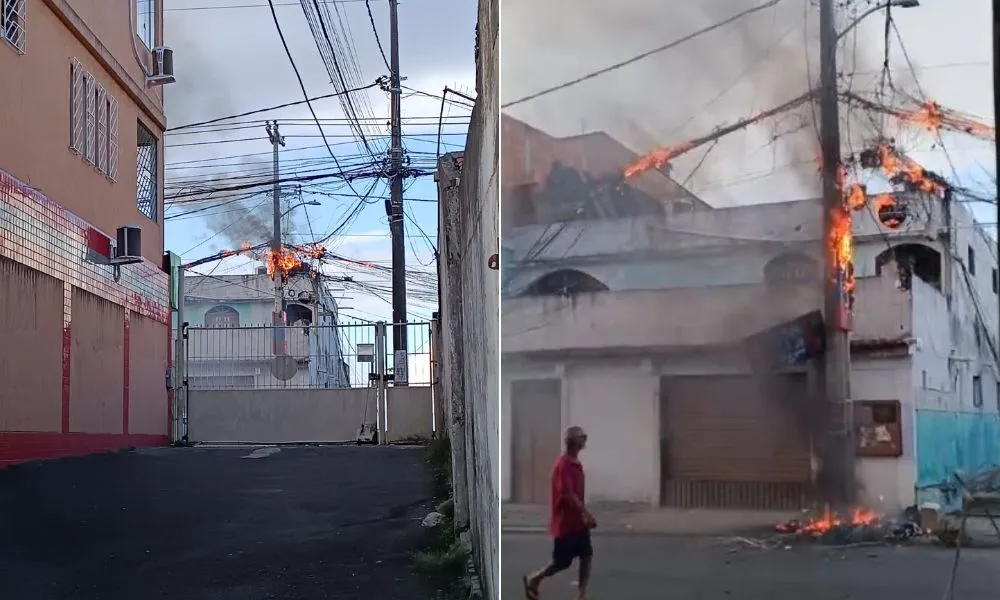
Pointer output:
x,y
308,100
235,6
637,58
375,31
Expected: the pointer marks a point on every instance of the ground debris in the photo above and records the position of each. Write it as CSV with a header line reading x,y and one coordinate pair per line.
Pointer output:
x,y
862,527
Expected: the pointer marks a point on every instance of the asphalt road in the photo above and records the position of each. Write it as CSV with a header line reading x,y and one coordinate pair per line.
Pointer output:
x,y
627,567
199,524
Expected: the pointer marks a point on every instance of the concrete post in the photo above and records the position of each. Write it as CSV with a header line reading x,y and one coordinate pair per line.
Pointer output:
x,y
454,352
440,420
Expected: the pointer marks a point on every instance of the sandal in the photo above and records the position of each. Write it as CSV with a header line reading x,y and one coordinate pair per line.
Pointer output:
x,y
529,592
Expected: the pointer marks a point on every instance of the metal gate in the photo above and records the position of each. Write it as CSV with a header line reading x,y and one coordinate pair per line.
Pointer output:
x,y
303,383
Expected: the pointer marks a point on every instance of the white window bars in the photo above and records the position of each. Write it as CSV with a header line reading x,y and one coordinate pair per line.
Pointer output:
x,y
146,172
12,23
93,121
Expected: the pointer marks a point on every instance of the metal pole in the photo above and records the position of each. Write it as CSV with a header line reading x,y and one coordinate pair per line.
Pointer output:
x,y
380,379
395,208
837,450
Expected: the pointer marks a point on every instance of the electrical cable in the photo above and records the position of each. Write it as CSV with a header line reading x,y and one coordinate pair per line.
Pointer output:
x,y
258,111
302,86
638,57
375,31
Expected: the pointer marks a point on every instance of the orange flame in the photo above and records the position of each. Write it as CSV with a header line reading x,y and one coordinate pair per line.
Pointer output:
x,y
315,251
656,159
885,202
856,196
281,262
828,521
929,115
933,117
896,166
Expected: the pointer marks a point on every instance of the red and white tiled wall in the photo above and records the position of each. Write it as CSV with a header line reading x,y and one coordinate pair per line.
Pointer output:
x,y
84,345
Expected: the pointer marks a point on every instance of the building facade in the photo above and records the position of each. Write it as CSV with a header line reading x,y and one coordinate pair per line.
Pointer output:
x,y
230,343
641,330
84,343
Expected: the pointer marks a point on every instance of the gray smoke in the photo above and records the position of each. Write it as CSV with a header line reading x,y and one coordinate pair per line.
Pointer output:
x,y
233,216
758,62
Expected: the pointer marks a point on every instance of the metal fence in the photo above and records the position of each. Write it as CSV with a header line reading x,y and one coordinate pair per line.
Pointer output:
x,y
304,357
418,356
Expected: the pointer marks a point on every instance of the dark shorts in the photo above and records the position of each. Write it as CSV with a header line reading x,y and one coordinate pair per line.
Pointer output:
x,y
569,547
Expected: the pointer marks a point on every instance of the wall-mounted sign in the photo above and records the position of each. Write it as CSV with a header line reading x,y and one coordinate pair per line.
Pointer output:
x,y
366,353
399,364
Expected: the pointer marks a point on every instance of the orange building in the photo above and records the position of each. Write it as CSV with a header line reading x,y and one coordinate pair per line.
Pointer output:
x,y
84,321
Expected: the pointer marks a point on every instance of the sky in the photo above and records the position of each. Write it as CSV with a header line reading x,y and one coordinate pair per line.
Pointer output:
x,y
733,72
229,60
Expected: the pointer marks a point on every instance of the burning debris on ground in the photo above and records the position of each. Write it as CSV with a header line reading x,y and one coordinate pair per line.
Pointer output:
x,y
857,526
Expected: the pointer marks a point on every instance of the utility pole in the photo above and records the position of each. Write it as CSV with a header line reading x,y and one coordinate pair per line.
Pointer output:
x,y
837,447
278,318
395,208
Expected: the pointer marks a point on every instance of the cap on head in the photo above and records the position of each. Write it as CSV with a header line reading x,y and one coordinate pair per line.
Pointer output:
x,y
575,434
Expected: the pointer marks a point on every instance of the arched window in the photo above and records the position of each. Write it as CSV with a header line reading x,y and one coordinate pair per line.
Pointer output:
x,y
565,282
912,259
222,316
791,267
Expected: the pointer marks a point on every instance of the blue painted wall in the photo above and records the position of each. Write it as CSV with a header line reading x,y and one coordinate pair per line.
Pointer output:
x,y
949,440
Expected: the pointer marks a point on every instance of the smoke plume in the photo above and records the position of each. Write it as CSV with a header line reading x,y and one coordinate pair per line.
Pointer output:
x,y
753,64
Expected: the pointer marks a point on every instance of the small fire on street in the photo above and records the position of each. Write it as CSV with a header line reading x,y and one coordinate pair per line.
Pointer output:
x,y
858,525
827,521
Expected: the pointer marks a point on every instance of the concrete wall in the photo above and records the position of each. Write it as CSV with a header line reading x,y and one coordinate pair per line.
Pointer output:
x,y
617,401
687,316
72,366
709,248
470,308
302,415
952,430
887,483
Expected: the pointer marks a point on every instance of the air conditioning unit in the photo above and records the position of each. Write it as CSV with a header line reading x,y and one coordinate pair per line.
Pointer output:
x,y
163,66
128,250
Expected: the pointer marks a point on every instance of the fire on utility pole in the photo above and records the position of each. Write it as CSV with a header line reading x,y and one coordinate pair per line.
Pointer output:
x,y
278,318
395,209
837,449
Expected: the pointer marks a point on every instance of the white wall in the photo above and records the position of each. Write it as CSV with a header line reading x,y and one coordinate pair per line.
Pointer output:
x,y
618,405
887,482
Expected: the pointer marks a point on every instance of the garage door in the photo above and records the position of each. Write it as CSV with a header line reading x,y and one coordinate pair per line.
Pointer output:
x,y
734,442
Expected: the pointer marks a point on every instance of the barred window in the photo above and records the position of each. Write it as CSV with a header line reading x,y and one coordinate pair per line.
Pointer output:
x,y
93,121
146,171
12,23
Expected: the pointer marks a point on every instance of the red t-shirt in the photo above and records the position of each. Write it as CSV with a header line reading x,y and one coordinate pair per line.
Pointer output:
x,y
565,519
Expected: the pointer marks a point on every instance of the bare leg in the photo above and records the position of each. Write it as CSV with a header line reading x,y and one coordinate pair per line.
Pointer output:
x,y
533,581
584,578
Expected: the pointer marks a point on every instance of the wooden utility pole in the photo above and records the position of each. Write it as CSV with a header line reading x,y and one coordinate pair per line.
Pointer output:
x,y
837,449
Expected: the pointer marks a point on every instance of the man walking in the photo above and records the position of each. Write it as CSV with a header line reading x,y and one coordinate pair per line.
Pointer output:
x,y
569,520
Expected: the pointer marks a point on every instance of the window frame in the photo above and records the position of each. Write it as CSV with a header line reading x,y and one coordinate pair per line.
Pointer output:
x,y
145,22
14,32
93,121
145,138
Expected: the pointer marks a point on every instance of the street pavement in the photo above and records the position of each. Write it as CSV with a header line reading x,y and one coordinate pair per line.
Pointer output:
x,y
199,524
704,568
